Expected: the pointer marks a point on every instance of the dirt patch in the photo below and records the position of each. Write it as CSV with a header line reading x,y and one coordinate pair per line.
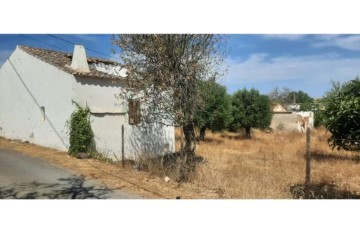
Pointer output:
x,y
112,174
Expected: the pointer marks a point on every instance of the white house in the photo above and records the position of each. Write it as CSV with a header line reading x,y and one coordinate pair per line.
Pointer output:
x,y
37,90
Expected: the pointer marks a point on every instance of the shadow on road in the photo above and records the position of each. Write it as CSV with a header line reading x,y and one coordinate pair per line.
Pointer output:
x,y
322,191
66,188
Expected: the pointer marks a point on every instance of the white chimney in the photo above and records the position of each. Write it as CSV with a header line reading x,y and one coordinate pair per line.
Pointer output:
x,y
79,61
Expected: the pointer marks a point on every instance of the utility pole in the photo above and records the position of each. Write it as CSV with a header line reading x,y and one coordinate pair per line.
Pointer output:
x,y
294,98
122,146
308,157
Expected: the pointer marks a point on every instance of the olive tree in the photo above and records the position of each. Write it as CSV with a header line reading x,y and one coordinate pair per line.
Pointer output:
x,y
250,109
342,115
168,69
215,113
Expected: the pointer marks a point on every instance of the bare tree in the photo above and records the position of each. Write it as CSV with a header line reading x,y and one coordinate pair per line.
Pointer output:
x,y
168,69
281,96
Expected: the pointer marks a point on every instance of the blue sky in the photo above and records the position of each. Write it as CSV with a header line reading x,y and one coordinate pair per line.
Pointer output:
x,y
297,61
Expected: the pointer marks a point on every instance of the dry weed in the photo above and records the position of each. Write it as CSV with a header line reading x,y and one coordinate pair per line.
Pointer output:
x,y
270,164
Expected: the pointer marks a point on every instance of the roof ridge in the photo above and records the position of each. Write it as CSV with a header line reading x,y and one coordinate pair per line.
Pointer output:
x,y
62,61
39,48
89,58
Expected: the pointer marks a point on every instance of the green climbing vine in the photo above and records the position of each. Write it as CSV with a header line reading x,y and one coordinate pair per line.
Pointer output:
x,y
81,134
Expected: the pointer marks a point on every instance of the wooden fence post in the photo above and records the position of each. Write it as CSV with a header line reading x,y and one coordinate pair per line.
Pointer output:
x,y
308,158
122,146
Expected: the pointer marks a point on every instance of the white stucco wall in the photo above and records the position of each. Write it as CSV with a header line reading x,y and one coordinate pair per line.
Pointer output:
x,y
139,141
39,84
310,115
288,121
109,113
149,140
99,95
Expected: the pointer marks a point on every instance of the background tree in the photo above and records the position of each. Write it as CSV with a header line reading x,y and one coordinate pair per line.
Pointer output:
x,y
168,69
215,112
280,95
342,115
250,109
286,97
304,100
300,97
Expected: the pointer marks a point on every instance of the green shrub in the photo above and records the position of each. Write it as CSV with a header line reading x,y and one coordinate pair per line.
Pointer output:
x,y
81,134
342,114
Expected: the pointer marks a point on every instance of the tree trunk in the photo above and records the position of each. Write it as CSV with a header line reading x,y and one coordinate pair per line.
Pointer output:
x,y
202,133
247,133
189,134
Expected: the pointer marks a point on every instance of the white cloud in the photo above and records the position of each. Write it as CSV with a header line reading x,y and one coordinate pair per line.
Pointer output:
x,y
304,70
348,42
288,37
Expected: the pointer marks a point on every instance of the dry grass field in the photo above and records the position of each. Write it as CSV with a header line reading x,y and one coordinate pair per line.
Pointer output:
x,y
272,166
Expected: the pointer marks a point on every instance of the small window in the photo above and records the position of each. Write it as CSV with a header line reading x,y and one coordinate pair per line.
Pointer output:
x,y
43,112
134,112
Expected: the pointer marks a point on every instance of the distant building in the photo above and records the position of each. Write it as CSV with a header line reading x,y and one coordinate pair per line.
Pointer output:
x,y
284,120
277,107
293,107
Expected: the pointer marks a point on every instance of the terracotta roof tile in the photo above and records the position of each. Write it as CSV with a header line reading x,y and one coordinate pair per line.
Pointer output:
x,y
62,61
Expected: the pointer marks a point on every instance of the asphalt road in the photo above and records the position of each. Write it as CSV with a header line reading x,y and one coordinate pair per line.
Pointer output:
x,y
25,177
